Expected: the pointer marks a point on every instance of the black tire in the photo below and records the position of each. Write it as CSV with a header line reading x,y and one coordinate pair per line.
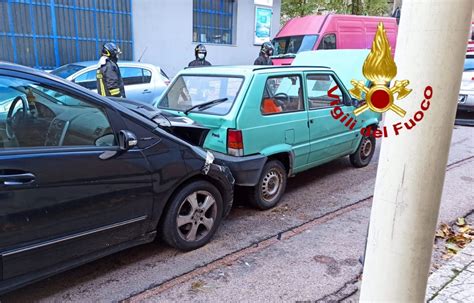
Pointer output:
x,y
364,153
264,195
193,217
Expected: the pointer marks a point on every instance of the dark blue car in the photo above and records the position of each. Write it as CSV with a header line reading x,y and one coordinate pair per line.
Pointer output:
x,y
82,176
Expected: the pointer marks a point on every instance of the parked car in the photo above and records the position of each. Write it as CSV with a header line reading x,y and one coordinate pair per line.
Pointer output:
x,y
143,82
466,94
317,32
82,176
268,123
470,42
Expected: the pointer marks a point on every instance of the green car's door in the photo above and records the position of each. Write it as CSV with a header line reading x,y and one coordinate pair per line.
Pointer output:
x,y
274,118
329,137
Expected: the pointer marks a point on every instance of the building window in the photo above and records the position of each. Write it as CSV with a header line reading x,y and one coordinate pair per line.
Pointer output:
x,y
213,21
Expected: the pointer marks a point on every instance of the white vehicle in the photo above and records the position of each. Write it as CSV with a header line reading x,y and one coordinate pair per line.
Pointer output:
x,y
466,94
143,82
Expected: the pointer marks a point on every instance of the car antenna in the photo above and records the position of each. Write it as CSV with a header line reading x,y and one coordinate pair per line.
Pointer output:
x,y
140,59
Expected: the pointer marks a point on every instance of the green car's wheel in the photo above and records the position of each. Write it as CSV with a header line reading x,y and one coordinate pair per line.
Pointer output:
x,y
271,186
364,152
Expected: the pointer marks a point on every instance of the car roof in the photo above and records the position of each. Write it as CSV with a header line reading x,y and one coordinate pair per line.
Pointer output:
x,y
244,70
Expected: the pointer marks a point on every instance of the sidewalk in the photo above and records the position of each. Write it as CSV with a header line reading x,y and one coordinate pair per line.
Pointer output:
x,y
454,282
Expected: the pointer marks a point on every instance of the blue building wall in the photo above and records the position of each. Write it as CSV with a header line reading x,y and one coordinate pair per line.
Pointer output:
x,y
49,33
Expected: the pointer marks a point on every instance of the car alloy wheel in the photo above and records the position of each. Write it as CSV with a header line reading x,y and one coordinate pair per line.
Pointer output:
x,y
196,216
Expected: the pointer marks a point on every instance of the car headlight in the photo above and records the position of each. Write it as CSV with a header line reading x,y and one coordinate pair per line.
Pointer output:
x,y
461,98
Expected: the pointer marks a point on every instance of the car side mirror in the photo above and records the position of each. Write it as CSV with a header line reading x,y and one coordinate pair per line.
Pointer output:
x,y
127,140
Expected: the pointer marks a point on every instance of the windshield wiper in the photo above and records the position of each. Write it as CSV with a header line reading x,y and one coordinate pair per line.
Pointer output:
x,y
205,104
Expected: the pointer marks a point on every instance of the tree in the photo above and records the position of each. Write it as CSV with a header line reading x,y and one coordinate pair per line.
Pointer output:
x,y
300,8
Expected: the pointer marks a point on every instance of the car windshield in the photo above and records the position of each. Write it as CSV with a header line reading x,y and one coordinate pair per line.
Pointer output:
x,y
67,70
469,64
188,91
294,44
11,88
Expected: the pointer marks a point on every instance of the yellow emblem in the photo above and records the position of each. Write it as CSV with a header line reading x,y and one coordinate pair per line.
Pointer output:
x,y
380,68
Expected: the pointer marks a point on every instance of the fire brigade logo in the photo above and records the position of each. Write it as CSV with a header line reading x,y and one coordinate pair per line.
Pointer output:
x,y
380,68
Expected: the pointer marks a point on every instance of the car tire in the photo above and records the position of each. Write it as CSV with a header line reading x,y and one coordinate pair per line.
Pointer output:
x,y
189,223
271,186
364,153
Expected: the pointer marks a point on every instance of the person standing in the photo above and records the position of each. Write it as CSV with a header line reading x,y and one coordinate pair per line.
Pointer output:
x,y
200,54
264,56
109,79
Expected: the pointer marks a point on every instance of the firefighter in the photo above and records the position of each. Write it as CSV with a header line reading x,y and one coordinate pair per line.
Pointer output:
x,y
109,79
200,54
264,57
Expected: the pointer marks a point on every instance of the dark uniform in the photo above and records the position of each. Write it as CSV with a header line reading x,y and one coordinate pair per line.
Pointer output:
x,y
200,54
264,56
199,62
109,79
263,60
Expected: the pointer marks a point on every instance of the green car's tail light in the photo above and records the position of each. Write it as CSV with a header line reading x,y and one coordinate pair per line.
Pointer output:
x,y
235,142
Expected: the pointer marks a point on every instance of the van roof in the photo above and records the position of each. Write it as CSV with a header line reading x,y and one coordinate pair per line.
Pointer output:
x,y
313,24
243,70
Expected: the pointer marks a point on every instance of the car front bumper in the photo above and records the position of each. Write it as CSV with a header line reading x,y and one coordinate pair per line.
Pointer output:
x,y
466,101
246,170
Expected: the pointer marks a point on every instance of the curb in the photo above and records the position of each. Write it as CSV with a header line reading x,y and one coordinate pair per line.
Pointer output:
x,y
441,278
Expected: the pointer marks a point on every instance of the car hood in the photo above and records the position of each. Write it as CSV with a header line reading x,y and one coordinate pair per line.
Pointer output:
x,y
467,83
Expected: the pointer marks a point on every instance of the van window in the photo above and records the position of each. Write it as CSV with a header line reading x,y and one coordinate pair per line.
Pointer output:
x,y
318,86
282,95
294,44
328,42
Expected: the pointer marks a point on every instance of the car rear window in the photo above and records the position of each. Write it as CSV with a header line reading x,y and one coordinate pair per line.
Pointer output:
x,y
191,90
67,70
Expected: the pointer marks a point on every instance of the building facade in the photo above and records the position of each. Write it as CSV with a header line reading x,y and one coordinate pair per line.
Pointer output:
x,y
167,31
49,33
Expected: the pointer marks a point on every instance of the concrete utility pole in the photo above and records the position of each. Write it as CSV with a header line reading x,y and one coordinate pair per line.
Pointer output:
x,y
431,48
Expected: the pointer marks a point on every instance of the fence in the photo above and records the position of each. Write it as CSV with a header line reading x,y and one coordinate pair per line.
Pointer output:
x,y
49,33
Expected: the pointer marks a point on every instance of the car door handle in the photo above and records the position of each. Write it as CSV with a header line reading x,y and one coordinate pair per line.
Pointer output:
x,y
17,179
146,91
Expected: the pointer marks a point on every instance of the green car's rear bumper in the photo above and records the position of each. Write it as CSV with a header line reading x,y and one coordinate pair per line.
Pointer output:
x,y
246,170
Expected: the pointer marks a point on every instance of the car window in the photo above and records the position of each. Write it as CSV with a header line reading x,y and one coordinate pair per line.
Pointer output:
x,y
135,75
328,42
34,116
87,79
282,94
146,76
67,70
318,86
190,90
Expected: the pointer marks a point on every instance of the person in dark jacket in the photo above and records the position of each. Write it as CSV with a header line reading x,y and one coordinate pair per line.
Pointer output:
x,y
265,52
200,54
109,79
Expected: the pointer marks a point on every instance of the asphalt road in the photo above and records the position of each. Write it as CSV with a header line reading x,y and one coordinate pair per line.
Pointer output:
x,y
313,237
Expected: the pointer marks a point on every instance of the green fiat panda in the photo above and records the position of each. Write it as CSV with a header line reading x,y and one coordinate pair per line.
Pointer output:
x,y
267,123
